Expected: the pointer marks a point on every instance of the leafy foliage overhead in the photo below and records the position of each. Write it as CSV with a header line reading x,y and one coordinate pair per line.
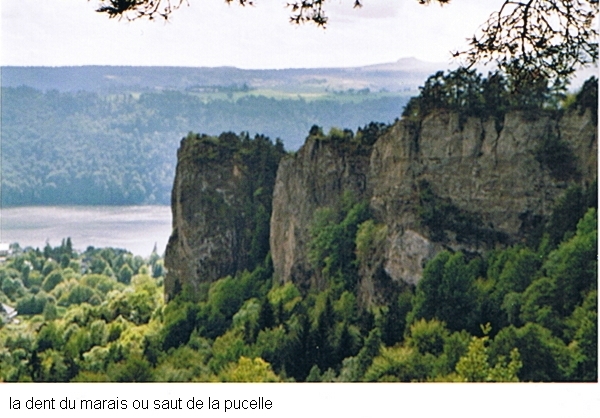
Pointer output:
x,y
547,38
550,38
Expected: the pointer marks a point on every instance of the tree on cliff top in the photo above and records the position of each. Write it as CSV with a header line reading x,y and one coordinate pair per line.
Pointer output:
x,y
549,38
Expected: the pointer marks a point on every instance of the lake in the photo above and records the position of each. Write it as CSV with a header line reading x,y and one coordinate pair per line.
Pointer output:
x,y
135,228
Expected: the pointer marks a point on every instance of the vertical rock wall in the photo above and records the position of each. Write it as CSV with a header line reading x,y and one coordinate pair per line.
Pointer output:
x,y
491,177
316,176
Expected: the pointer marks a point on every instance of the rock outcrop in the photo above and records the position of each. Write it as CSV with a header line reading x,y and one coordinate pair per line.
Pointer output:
x,y
445,182
316,176
221,202
494,183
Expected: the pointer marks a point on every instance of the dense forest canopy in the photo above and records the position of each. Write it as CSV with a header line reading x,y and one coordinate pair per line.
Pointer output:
x,y
82,148
525,313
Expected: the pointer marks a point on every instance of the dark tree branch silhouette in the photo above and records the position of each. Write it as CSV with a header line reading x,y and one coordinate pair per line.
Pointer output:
x,y
136,9
544,38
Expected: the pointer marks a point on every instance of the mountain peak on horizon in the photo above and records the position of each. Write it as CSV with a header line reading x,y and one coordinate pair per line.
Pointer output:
x,y
409,64
409,60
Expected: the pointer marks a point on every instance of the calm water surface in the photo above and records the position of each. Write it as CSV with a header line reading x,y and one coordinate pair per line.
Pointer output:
x,y
135,228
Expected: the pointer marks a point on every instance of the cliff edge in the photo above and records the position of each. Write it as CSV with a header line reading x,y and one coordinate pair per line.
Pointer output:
x,y
442,182
445,182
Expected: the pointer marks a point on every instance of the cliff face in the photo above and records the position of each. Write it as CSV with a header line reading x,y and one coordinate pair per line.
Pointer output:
x,y
494,185
316,176
221,201
444,182
203,243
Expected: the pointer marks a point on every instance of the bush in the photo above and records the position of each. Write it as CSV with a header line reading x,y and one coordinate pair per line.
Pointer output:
x,y
77,295
125,274
428,336
32,304
52,279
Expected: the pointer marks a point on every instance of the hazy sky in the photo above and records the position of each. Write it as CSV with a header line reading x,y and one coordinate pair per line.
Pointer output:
x,y
211,33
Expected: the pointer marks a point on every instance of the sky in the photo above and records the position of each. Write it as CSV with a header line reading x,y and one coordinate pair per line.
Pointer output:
x,y
210,33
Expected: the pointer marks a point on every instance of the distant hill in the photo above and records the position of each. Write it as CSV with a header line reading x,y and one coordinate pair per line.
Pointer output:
x,y
100,135
403,75
109,135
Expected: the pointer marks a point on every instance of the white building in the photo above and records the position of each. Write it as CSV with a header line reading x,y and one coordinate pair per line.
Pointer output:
x,y
4,249
8,313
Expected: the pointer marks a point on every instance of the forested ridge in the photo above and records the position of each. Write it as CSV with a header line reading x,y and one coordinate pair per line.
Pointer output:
x,y
520,314
62,148
525,312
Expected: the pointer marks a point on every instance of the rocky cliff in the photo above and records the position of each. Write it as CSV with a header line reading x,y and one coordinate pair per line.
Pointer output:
x,y
316,176
445,181
221,203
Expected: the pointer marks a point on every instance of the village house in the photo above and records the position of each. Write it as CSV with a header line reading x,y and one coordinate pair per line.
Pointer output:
x,y
7,313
